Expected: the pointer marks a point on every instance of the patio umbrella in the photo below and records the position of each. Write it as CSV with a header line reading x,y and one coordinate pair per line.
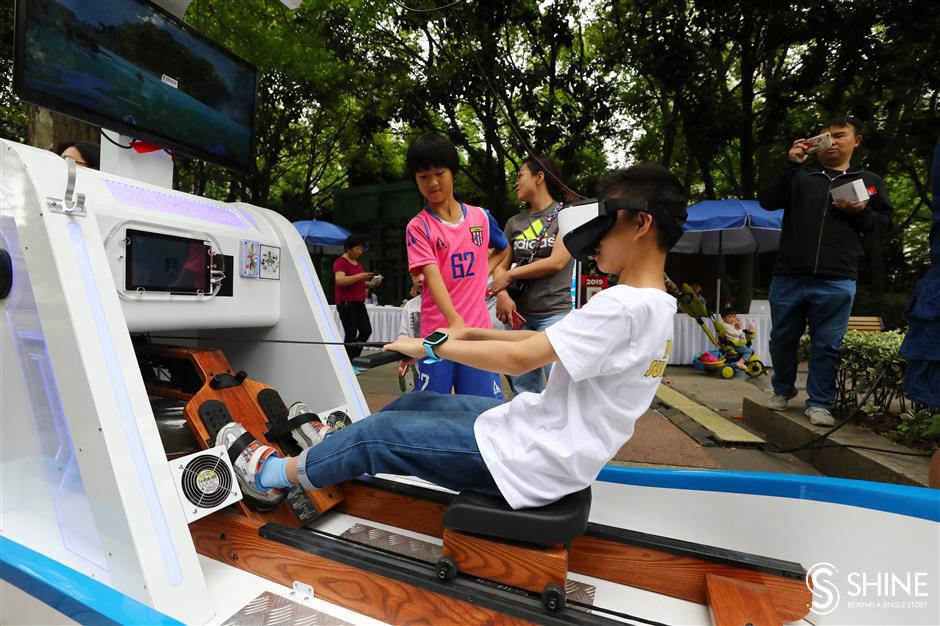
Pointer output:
x,y
317,233
719,227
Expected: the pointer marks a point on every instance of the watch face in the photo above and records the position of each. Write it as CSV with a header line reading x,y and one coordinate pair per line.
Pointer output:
x,y
435,337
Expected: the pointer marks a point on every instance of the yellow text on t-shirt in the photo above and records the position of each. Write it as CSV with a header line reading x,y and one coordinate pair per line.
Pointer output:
x,y
657,367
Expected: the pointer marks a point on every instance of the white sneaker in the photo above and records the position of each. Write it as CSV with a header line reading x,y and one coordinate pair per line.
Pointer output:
x,y
248,466
819,416
309,434
779,403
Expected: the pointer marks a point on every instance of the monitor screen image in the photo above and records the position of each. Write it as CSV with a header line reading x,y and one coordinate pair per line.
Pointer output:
x,y
133,68
158,262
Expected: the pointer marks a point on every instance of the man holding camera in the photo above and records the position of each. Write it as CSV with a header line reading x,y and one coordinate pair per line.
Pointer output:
x,y
817,263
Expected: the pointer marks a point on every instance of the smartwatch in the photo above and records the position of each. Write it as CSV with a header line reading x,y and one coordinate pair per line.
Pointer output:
x,y
432,341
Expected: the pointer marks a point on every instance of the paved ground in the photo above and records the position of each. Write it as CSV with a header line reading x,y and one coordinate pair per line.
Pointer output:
x,y
664,437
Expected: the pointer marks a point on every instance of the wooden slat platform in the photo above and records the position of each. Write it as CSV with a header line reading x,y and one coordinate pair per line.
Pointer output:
x,y
865,324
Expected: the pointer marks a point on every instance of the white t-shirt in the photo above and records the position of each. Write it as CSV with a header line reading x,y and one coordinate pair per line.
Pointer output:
x,y
411,319
612,354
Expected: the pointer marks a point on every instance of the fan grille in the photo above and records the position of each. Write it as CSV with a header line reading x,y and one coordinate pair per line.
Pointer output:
x,y
206,481
338,419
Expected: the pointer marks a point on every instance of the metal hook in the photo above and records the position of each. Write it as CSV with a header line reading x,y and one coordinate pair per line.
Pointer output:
x,y
77,205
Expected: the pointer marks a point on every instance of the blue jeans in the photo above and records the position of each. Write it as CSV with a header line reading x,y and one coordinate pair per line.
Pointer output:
x,y
533,381
824,304
423,434
744,352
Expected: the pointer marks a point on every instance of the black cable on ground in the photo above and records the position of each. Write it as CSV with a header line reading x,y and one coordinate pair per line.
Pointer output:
x,y
773,448
873,449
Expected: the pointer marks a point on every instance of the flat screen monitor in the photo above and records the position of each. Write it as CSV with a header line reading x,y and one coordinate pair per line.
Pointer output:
x,y
131,67
158,262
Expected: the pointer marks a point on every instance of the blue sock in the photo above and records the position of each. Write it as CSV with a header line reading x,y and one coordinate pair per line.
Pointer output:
x,y
273,474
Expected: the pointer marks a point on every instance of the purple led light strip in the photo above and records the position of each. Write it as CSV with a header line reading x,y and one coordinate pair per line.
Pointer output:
x,y
152,200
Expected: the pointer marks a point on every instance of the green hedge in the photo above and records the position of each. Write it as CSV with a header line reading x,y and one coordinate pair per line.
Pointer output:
x,y
864,355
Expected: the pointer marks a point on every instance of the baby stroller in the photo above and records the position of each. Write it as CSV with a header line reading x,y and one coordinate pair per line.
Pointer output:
x,y
727,350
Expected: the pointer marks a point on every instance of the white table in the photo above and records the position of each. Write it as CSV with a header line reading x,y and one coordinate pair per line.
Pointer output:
x,y
385,320
689,340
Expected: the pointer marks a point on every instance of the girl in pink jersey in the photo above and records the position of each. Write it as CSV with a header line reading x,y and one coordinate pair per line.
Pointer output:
x,y
448,242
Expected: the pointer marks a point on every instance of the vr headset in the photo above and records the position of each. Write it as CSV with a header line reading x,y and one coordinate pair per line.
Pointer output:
x,y
584,223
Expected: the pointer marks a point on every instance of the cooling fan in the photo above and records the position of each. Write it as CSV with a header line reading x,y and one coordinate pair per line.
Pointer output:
x,y
205,482
336,418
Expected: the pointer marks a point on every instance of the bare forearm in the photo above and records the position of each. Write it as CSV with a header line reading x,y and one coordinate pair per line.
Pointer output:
x,y
494,356
536,269
506,357
493,334
495,261
345,281
503,266
435,286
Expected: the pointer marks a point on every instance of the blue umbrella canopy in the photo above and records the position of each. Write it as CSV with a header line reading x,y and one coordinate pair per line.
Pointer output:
x,y
318,233
730,227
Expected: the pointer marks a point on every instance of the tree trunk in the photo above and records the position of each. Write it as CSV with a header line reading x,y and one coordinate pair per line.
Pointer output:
x,y
48,129
745,282
746,130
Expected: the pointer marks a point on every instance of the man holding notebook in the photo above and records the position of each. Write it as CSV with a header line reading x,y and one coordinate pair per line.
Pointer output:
x,y
826,211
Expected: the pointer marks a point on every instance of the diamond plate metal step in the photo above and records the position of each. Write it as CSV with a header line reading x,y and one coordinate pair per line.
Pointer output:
x,y
270,609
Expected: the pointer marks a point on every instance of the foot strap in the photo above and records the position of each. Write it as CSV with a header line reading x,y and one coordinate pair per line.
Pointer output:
x,y
238,446
285,428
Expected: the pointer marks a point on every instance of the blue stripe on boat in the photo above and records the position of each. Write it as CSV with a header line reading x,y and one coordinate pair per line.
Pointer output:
x,y
73,594
917,502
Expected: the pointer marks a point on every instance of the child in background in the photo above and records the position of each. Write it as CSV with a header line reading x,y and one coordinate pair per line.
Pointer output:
x,y
740,338
448,244
408,377
697,290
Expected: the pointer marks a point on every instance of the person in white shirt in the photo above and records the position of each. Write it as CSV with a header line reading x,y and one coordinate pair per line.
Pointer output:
x,y
609,358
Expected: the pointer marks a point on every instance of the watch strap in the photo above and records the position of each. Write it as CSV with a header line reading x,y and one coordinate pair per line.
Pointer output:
x,y
432,358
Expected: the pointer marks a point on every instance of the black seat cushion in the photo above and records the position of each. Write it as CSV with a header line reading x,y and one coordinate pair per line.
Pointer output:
x,y
558,522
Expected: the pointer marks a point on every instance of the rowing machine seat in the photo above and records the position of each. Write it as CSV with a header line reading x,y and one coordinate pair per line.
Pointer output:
x,y
555,523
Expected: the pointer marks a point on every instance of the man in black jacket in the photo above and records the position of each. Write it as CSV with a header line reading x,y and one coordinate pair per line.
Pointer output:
x,y
814,279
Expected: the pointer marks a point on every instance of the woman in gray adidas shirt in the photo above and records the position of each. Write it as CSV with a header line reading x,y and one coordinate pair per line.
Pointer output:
x,y
538,260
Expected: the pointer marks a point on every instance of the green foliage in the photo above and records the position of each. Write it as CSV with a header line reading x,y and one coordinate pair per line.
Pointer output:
x,y
918,424
864,356
716,91
495,76
14,116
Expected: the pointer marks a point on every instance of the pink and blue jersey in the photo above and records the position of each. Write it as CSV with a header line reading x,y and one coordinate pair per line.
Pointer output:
x,y
460,252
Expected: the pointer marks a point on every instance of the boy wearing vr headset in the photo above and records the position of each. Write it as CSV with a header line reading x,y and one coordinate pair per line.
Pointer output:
x,y
608,358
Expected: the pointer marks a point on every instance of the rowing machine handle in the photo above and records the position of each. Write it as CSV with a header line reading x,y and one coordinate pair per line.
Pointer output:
x,y
374,359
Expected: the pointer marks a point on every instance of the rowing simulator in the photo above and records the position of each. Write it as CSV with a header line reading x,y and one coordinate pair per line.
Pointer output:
x,y
105,270
88,475
138,320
